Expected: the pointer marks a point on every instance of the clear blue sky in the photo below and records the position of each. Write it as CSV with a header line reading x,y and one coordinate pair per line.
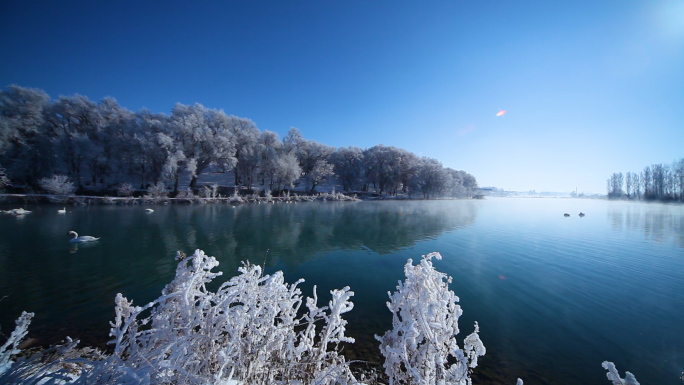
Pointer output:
x,y
590,87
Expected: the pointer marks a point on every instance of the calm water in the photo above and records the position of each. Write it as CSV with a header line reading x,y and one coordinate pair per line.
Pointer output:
x,y
554,296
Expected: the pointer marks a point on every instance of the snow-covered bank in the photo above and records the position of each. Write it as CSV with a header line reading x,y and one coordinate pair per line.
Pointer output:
x,y
233,199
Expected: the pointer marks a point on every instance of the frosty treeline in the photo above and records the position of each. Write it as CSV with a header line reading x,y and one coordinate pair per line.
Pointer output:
x,y
655,182
102,145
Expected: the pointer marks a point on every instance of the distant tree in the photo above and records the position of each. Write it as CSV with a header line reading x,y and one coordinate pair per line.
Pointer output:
x,y
660,179
114,155
647,182
678,175
312,155
58,185
320,172
615,185
407,168
379,161
23,144
628,184
293,141
125,190
204,136
4,180
246,137
431,178
347,163
270,149
154,155
460,184
287,170
636,185
72,122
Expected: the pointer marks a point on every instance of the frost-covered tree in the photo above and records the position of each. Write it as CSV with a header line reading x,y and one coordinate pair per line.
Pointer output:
x,y
287,170
246,136
155,155
407,168
204,136
422,348
459,184
112,162
321,171
616,183
4,180
629,184
125,190
293,141
384,167
72,122
270,149
23,143
157,192
430,179
347,164
57,185
312,155
636,185
647,182
678,176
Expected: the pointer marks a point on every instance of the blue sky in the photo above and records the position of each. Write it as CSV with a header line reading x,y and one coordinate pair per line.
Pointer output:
x,y
590,87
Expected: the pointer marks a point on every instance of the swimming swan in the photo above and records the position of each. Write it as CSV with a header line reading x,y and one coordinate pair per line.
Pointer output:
x,y
82,239
149,210
17,212
62,211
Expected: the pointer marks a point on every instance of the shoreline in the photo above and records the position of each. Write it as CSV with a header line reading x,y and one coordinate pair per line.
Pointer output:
x,y
72,200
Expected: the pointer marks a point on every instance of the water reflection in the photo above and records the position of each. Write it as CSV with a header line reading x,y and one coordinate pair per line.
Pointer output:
x,y
71,287
658,222
75,246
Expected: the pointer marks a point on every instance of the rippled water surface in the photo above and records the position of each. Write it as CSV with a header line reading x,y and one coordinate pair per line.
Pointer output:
x,y
554,295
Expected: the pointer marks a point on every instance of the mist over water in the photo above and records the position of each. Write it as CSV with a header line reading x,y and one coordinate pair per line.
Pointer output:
x,y
554,296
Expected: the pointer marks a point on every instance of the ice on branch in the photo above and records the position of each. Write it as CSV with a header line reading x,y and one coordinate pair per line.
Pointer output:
x,y
10,347
247,331
614,376
421,348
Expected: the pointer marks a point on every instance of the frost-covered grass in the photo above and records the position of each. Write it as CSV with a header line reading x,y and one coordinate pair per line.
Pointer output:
x,y
254,330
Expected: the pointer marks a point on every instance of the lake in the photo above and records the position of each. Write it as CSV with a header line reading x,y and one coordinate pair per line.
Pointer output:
x,y
554,296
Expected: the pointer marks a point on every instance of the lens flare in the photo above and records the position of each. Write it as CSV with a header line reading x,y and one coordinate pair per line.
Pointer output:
x,y
500,113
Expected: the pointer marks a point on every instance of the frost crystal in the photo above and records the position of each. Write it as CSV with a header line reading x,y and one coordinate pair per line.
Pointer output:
x,y
614,376
9,348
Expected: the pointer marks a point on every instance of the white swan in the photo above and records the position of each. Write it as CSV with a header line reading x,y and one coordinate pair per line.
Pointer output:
x,y
62,211
19,211
81,239
149,210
